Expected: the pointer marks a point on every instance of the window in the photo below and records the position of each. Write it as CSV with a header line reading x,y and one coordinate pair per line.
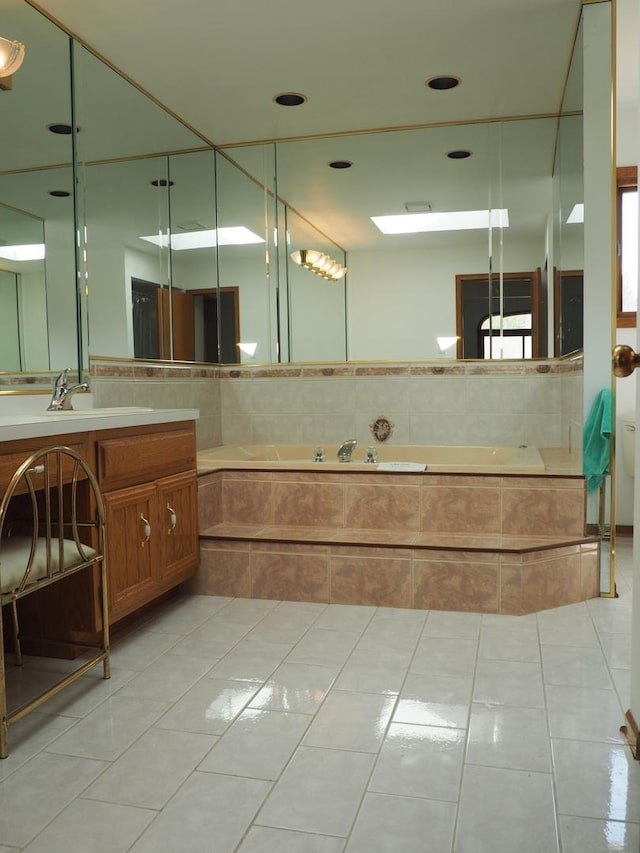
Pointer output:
x,y
627,226
499,317
513,340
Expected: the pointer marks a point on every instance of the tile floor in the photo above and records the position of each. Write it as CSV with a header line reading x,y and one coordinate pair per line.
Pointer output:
x,y
253,726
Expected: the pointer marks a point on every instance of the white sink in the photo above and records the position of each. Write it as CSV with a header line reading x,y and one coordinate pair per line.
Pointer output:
x,y
95,413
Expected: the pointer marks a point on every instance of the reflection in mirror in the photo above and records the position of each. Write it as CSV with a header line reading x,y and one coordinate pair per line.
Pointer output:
x,y
23,296
316,306
404,283
568,214
245,312
124,213
37,208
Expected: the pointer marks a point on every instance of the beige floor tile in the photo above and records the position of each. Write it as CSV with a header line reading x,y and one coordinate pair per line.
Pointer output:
x,y
33,795
320,791
258,744
502,811
208,809
149,773
402,825
99,827
420,761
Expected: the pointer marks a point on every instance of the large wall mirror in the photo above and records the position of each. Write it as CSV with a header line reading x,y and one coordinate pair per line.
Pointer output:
x,y
186,253
37,252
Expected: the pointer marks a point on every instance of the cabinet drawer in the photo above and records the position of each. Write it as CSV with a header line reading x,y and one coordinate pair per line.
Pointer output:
x,y
9,462
139,458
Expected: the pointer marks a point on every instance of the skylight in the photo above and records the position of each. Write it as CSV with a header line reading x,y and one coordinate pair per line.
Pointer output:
x,y
27,252
236,235
454,220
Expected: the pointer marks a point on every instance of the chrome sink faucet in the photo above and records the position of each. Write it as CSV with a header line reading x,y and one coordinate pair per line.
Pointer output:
x,y
63,392
346,449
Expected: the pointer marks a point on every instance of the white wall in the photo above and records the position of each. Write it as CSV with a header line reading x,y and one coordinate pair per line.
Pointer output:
x,y
400,301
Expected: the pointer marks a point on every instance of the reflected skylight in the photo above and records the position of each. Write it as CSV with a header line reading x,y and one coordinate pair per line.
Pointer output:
x,y
236,235
453,220
27,252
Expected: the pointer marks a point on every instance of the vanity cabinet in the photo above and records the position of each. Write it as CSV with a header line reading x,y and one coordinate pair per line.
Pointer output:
x,y
149,488
147,477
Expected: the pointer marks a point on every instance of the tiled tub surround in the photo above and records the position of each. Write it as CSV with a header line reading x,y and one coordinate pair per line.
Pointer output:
x,y
482,543
536,403
459,403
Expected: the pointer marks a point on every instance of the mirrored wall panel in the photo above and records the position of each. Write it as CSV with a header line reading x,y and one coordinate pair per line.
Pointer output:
x,y
37,256
192,254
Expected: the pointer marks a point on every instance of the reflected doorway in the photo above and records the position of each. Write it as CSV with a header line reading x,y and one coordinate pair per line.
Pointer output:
x,y
217,325
161,331
484,306
568,313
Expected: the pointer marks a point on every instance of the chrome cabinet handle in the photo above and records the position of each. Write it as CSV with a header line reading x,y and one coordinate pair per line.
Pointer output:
x,y
146,529
173,519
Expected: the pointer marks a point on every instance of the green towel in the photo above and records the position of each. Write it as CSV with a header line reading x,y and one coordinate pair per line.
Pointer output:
x,y
596,440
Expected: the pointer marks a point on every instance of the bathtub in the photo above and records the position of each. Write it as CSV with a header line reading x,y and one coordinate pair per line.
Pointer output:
x,y
434,458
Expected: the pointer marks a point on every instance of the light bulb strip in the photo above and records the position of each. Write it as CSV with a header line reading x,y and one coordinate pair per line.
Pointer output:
x,y
11,56
319,263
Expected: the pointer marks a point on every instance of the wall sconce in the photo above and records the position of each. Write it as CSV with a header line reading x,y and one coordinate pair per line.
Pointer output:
x,y
11,56
319,263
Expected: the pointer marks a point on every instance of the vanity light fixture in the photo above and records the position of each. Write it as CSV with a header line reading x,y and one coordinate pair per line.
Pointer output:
x,y
453,220
11,56
319,263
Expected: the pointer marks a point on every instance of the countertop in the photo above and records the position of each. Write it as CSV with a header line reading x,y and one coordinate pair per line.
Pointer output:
x,y
18,425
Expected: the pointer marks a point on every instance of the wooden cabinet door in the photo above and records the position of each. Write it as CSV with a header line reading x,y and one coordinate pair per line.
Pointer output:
x,y
132,548
178,522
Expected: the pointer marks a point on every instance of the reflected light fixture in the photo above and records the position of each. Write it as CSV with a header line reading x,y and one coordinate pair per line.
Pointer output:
x,y
319,263
11,56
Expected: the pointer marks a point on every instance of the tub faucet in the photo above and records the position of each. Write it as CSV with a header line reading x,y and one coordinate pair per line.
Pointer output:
x,y
346,449
63,392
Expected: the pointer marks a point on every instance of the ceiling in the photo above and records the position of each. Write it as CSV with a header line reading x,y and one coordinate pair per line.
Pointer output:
x,y
362,64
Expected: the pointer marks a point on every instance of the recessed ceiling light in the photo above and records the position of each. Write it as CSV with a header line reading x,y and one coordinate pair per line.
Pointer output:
x,y
443,82
290,99
459,154
60,128
161,182
341,164
59,193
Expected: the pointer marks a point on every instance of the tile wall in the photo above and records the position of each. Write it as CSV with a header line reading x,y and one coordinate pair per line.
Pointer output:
x,y
440,542
535,403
